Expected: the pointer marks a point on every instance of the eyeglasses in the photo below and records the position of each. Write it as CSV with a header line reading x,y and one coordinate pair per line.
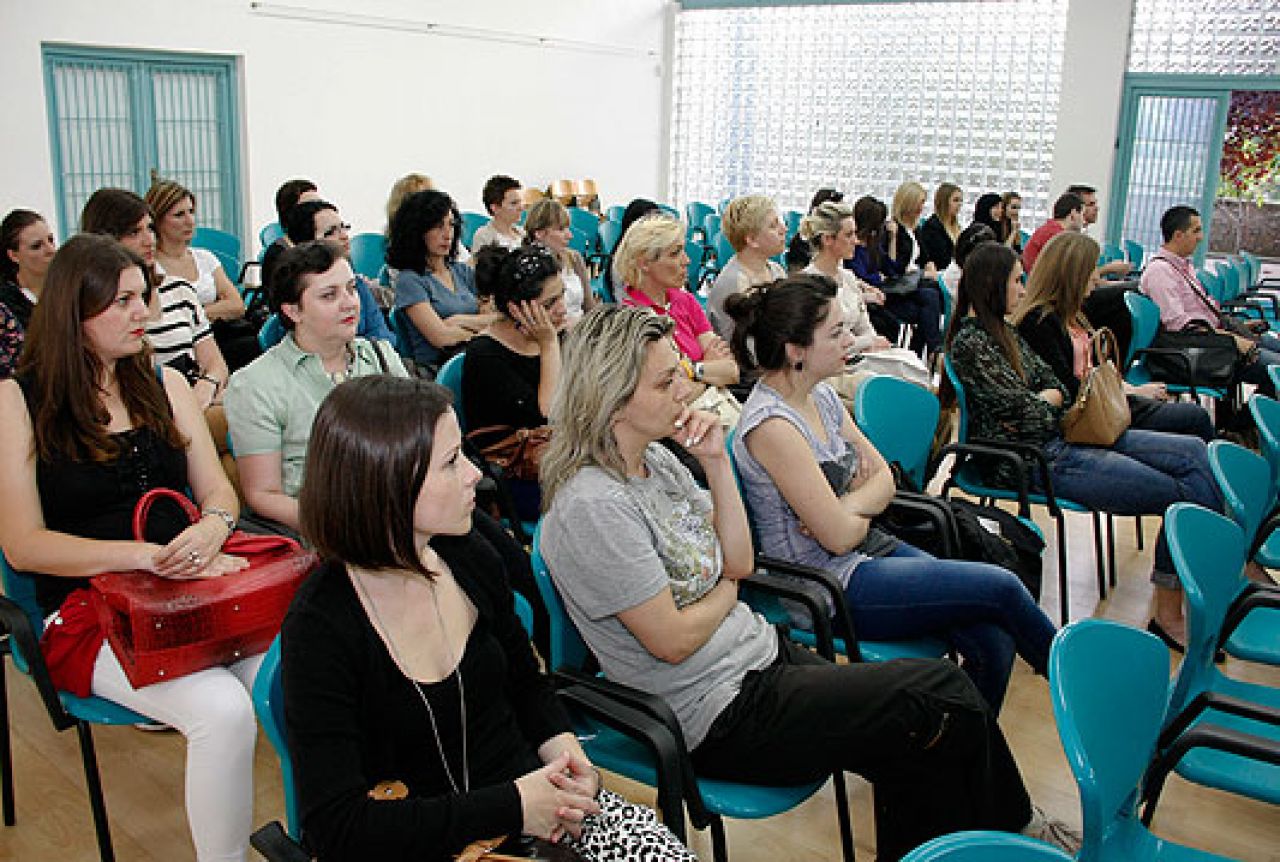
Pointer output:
x,y
335,230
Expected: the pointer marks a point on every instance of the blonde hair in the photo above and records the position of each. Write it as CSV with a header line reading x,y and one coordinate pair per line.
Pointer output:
x,y
646,240
548,213
745,217
407,185
942,207
909,196
1060,279
824,220
604,356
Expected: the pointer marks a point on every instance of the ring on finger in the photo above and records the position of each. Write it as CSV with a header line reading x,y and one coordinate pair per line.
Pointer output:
x,y
194,557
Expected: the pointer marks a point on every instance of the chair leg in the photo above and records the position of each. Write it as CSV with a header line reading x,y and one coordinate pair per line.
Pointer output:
x,y
1065,610
1111,550
94,785
1137,528
842,813
6,753
1099,557
719,844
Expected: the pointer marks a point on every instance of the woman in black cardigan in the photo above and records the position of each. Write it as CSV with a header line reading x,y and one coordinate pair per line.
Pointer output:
x,y
940,231
1051,320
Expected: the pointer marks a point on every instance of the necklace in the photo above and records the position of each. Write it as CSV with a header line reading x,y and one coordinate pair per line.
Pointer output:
x,y
417,687
345,374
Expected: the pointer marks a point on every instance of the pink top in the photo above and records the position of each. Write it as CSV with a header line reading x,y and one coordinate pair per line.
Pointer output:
x,y
1080,358
1171,283
682,307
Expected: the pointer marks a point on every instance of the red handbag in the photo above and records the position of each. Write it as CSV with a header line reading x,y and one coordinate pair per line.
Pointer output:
x,y
161,628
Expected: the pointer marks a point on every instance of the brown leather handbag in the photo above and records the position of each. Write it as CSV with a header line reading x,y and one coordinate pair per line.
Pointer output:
x,y
519,453
1100,413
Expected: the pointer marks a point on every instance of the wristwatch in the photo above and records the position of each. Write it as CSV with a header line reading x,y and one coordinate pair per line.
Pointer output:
x,y
227,517
698,371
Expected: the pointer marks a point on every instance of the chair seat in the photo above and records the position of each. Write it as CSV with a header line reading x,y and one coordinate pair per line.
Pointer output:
x,y
1129,839
1269,554
1255,638
880,650
971,486
1138,375
98,710
618,753
1230,772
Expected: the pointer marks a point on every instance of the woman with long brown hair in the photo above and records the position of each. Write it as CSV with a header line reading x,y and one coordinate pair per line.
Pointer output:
x,y
940,231
89,426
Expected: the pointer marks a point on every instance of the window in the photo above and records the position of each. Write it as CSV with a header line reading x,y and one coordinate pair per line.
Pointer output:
x,y
1211,37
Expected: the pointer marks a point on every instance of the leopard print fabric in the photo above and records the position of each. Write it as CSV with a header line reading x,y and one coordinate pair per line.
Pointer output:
x,y
624,832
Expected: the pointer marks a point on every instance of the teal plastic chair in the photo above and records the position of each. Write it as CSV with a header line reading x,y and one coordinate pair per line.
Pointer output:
x,y
792,218
1219,731
1266,417
580,241
1135,253
227,248
723,250
1145,316
21,619
711,223
368,254
271,333
697,253
670,210
585,221
615,213
610,233
981,846
450,377
472,222
696,213
270,233
1109,714
661,760
965,476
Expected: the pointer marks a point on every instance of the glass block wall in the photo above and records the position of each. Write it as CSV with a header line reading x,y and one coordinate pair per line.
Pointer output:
x,y
785,100
1207,37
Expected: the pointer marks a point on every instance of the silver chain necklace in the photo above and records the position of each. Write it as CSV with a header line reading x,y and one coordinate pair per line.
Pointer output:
x,y
431,713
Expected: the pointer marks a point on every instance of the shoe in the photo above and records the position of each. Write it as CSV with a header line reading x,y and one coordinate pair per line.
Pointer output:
x,y
1219,656
1053,831
152,726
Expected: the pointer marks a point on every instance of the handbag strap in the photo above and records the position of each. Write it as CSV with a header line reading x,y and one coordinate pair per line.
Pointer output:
x,y
143,507
1103,346
1197,290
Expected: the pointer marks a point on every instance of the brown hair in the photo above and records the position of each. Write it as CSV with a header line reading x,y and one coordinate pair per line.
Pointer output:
x,y
942,207
367,459
67,415
164,195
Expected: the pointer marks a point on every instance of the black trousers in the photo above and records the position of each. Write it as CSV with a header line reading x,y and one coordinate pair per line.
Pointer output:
x,y
917,729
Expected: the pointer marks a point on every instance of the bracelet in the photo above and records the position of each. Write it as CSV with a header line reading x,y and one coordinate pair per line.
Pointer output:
x,y
227,517
209,378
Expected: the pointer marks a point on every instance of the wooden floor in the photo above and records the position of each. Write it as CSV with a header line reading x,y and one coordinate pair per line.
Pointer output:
x,y
142,772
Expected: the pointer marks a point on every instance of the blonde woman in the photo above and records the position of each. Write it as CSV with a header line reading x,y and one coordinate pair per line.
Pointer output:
x,y
756,232
548,223
407,185
830,231
939,233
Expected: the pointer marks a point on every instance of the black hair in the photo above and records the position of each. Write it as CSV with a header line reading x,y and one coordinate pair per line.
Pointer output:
x,y
823,195
287,196
769,317
983,290
514,275
300,220
295,263
1080,189
495,189
982,211
869,216
1066,204
420,212
1176,218
970,238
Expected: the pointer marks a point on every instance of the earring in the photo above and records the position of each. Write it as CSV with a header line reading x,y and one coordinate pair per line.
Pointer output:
x,y
799,366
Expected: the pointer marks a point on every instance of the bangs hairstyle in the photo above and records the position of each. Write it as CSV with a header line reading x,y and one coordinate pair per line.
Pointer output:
x,y
407,234
67,416
745,217
646,241
14,224
768,318
514,275
113,212
371,441
604,356
909,197
164,195
1060,279
295,264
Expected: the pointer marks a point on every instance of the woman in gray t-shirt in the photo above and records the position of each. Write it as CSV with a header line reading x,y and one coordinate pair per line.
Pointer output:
x,y
649,566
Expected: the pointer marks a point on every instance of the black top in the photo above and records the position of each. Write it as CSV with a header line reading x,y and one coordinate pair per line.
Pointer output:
x,y
12,296
96,501
354,720
500,387
935,243
1045,333
270,258
904,248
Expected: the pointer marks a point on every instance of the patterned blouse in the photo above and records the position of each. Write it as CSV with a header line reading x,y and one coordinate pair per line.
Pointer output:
x,y
1001,404
11,338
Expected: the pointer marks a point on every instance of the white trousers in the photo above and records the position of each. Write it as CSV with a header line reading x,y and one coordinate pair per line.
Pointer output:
x,y
213,709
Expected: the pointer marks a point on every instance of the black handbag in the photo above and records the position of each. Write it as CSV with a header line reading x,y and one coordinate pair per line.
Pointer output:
x,y
1196,357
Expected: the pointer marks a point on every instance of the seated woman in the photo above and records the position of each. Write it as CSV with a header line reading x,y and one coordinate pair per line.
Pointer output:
x,y
272,402
814,483
417,718
174,209
652,263
940,231
1010,232
989,210
81,448
911,299
799,253
27,246
502,199
832,238
1013,394
970,238
319,220
548,223
755,230
648,566
434,289
512,369
179,333
636,210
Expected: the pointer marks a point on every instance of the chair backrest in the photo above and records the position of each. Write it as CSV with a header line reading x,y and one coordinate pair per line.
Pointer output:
x,y
961,405
711,225
724,251
400,325
580,241
1254,266
1266,416
472,222
21,590
696,251
1208,553
1244,477
669,210
1136,254
270,233
615,213
450,377
985,847
1145,315
268,704
792,218
368,254
220,242
696,213
899,418
585,221
567,647
1211,282
271,333
610,233
1109,713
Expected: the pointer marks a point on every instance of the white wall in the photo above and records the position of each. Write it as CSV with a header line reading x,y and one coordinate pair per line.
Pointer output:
x,y
355,107
1095,56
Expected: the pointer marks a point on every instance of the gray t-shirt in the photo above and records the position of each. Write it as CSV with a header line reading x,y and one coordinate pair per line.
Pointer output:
x,y
614,545
732,279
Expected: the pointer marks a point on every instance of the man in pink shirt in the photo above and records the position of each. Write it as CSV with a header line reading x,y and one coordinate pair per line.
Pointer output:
x,y
1068,214
1170,281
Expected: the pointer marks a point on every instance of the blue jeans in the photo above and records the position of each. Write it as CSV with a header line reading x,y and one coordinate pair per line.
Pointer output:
x,y
922,307
1256,372
1173,417
1143,473
982,610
